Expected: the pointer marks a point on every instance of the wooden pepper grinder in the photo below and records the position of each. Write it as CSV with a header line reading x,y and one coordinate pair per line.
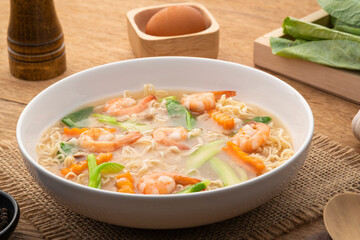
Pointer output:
x,y
35,40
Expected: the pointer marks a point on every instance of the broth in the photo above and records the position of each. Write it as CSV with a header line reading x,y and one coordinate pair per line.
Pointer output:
x,y
169,140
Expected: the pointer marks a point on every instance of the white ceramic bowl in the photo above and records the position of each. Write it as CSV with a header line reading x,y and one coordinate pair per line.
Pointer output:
x,y
167,211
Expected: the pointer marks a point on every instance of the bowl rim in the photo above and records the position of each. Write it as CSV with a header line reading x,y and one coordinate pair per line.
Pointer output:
x,y
250,182
16,212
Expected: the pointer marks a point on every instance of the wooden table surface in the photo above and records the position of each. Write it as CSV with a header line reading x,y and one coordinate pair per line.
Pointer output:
x,y
96,33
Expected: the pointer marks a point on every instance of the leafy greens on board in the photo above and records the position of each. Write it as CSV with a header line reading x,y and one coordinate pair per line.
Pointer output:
x,y
345,10
335,53
337,47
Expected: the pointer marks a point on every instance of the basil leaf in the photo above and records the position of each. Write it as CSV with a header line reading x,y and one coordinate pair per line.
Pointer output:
x,y
311,31
345,10
73,119
180,114
334,53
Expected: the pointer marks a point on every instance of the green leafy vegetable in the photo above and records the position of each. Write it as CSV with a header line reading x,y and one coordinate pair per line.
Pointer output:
x,y
227,175
345,10
265,119
278,44
95,171
75,119
310,31
180,114
197,187
67,148
345,27
204,153
167,98
334,53
126,125
91,163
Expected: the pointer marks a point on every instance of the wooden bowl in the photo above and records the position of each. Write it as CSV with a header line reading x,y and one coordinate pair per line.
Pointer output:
x,y
200,44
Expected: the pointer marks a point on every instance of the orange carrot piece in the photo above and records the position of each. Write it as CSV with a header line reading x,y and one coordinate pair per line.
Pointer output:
x,y
218,94
242,157
79,167
76,168
112,130
103,157
222,119
125,183
74,132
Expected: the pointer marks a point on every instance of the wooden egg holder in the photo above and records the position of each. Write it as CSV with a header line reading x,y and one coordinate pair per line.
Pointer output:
x,y
344,83
201,44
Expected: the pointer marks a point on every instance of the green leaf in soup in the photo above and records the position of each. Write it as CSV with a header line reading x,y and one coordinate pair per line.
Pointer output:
x,y
197,187
75,119
311,31
167,98
265,119
106,118
180,114
66,148
345,10
335,53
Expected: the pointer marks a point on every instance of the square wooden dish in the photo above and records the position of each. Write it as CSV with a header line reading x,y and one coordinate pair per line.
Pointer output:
x,y
340,82
201,44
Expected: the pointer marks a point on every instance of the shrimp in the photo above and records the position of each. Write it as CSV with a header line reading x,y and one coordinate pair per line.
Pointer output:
x,y
170,136
163,182
251,136
101,140
126,106
201,102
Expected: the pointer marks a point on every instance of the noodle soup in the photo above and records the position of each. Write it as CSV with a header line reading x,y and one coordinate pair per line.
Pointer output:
x,y
165,142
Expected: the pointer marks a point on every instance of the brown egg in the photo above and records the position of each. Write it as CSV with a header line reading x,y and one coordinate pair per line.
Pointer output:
x,y
176,20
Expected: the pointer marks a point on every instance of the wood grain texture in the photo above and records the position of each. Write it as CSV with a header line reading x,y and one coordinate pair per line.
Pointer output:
x,y
35,40
96,33
341,216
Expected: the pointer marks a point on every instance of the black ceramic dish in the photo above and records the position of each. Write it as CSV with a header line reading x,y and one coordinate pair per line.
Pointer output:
x,y
13,211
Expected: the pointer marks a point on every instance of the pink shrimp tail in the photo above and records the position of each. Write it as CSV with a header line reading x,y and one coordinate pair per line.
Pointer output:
x,y
139,107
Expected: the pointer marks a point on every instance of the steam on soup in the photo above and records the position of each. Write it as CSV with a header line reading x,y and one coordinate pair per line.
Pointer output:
x,y
165,142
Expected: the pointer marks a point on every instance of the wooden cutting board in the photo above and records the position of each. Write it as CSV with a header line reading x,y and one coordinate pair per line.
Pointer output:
x,y
340,82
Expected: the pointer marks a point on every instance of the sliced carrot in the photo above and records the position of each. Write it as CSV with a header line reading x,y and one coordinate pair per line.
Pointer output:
x,y
112,130
242,157
103,157
79,167
222,119
218,94
125,183
74,132
76,168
